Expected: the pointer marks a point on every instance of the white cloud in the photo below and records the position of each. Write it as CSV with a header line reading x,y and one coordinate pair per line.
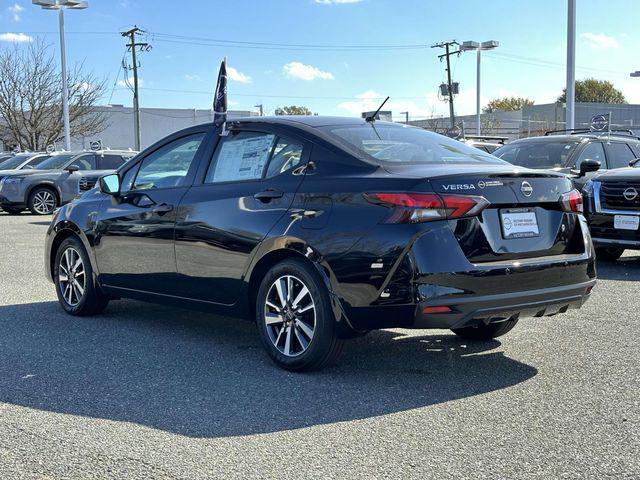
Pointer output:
x,y
371,100
15,37
16,10
600,40
237,76
305,72
85,87
192,77
336,2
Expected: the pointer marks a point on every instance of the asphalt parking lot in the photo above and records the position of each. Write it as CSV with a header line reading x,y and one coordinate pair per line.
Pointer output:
x,y
150,392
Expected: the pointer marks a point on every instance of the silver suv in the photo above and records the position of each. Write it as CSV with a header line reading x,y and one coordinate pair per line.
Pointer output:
x,y
57,180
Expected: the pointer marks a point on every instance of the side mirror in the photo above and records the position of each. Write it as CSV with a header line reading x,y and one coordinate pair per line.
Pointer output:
x,y
72,168
588,166
110,184
634,162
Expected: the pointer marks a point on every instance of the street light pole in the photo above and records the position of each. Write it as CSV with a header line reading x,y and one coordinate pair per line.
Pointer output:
x,y
571,64
60,5
479,47
65,87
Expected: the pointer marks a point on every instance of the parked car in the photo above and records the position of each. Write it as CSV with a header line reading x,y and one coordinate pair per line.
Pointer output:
x,y
56,181
324,228
568,151
22,161
612,208
5,155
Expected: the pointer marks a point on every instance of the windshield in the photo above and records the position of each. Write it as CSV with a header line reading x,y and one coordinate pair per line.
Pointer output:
x,y
56,162
15,161
391,144
552,154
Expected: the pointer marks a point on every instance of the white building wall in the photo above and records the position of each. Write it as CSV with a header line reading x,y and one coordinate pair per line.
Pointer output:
x,y
155,123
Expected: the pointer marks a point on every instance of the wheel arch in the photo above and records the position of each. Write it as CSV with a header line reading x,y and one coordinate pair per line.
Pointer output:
x,y
46,184
64,230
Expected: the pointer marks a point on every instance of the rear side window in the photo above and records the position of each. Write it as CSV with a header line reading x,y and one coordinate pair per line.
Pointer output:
x,y
109,161
395,144
551,154
286,154
240,156
620,155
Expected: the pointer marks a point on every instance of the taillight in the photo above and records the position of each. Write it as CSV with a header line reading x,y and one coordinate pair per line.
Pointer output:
x,y
426,207
572,202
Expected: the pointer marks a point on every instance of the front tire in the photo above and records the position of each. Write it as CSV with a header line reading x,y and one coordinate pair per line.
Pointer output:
x,y
486,332
78,293
295,319
42,201
609,254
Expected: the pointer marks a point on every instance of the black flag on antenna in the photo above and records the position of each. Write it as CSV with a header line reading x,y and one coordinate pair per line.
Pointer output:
x,y
220,100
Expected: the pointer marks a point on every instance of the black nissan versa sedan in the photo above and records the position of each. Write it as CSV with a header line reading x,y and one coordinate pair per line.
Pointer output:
x,y
323,228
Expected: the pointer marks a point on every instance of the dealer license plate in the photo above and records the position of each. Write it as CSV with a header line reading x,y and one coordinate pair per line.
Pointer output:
x,y
519,224
626,222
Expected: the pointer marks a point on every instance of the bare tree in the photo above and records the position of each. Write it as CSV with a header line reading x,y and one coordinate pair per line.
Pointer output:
x,y
30,98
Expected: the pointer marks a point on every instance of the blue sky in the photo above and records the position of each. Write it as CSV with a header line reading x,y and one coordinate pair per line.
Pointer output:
x,y
180,72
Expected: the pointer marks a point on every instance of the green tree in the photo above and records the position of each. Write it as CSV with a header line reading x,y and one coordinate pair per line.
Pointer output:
x,y
596,91
293,110
507,104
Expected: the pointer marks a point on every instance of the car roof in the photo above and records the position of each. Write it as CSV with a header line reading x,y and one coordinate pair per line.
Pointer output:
x,y
578,137
309,120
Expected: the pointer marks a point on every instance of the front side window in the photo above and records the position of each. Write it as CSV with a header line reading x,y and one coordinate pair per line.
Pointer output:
x,y
110,161
593,151
168,166
56,162
85,162
548,154
240,156
620,155
391,144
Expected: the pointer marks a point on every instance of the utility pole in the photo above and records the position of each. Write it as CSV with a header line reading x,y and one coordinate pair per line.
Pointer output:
x,y
132,46
447,49
261,109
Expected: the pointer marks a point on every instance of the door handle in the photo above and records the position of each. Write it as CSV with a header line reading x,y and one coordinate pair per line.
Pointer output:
x,y
162,209
268,195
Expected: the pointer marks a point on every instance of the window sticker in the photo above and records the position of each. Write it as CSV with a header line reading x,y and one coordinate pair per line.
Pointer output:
x,y
243,159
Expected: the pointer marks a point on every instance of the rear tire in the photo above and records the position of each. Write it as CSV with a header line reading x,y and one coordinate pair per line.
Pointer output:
x,y
295,320
13,210
486,332
42,201
609,254
78,292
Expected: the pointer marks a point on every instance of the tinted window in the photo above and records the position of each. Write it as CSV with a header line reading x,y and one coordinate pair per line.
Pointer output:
x,y
392,144
15,161
168,166
109,161
593,151
35,161
241,156
56,162
552,154
286,154
620,155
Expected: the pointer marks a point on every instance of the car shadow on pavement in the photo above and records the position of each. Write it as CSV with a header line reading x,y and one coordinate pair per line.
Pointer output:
x,y
204,376
626,268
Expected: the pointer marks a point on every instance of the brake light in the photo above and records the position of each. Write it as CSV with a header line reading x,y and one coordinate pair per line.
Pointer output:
x,y
572,202
425,207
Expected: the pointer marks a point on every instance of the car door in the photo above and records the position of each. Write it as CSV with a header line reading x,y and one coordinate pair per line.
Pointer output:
x,y
247,187
135,232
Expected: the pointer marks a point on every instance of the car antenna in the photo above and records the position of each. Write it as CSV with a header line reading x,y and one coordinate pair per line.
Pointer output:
x,y
372,118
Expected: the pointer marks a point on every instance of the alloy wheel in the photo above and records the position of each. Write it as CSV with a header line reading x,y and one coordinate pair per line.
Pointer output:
x,y
290,315
71,276
44,202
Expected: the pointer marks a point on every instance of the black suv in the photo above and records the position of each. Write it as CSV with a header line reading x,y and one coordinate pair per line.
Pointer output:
x,y
613,211
578,152
323,228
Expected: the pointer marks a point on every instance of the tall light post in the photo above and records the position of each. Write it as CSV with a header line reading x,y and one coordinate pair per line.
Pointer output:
x,y
571,64
478,47
60,5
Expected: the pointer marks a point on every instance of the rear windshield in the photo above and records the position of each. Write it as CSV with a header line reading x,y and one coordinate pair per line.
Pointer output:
x,y
394,144
552,154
